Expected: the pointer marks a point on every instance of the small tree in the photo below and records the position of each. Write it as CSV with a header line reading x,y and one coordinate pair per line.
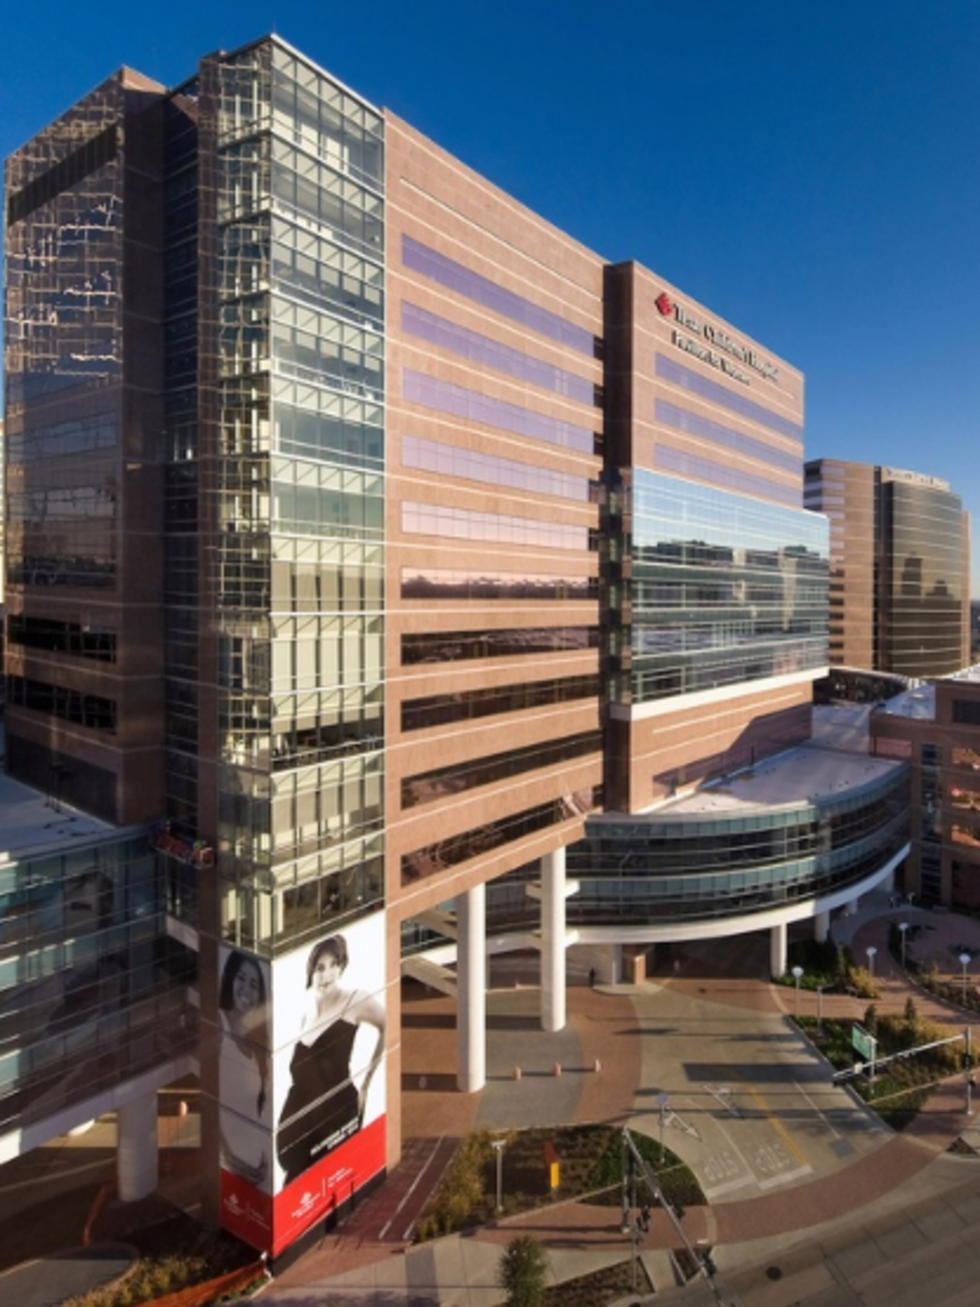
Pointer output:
x,y
911,1022
522,1272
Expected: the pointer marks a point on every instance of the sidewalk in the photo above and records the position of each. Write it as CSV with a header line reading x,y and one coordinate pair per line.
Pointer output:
x,y
461,1270
594,1071
940,939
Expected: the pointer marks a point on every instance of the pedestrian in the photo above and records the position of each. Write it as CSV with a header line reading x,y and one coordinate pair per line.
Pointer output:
x,y
591,977
645,1217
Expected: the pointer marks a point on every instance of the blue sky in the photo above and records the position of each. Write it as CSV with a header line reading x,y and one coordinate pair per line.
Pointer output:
x,y
809,171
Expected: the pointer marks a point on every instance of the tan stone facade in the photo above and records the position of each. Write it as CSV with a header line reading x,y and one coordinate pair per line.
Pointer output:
x,y
899,580
937,730
436,201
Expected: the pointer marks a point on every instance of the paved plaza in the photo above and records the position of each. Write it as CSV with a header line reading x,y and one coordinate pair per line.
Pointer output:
x,y
811,1199
706,1053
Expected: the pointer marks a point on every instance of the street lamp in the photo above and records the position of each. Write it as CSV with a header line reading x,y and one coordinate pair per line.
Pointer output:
x,y
871,951
965,960
903,926
662,1101
797,974
498,1146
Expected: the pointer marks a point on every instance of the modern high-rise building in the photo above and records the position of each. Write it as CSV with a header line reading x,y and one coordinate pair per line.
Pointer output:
x,y
936,728
371,544
900,573
1,509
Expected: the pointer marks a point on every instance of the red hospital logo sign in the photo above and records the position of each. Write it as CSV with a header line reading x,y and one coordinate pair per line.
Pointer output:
x,y
664,304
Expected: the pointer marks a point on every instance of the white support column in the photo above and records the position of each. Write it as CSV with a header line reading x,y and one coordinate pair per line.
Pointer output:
x,y
553,941
471,992
777,950
821,927
136,1148
269,915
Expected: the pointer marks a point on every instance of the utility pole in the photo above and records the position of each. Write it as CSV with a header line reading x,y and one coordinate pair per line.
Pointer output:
x,y
627,1161
968,1068
701,1260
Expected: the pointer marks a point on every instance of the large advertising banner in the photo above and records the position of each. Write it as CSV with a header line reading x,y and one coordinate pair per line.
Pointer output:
x,y
318,1134
245,1093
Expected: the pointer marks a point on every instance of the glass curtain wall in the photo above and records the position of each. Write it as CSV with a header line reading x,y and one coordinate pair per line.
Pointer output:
x,y
65,260
181,397
923,581
725,590
91,989
299,486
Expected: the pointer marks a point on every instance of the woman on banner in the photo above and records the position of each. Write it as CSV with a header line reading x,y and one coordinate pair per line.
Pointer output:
x,y
326,1099
244,1068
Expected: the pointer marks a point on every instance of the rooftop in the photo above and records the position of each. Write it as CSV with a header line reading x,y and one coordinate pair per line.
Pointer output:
x,y
835,758
34,823
918,702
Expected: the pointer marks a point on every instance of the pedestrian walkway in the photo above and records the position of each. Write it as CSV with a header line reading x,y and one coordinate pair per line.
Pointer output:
x,y
604,1068
48,1281
938,940
601,1080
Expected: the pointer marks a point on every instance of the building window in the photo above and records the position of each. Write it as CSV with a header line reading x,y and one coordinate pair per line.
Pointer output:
x,y
966,712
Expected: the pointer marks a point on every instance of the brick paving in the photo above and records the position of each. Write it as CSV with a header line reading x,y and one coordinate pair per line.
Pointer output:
x,y
592,1072
607,1079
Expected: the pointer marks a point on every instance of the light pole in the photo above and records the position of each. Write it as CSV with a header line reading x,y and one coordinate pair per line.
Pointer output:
x,y
498,1146
965,960
662,1101
871,951
903,926
819,1011
797,975
968,1069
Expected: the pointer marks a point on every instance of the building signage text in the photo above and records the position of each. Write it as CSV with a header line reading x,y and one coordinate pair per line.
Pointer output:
x,y
717,339
913,478
709,356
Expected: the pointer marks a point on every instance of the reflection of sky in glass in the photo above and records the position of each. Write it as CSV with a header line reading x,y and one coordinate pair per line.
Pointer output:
x,y
471,465
670,370
481,290
444,397
481,349
457,523
668,509
64,269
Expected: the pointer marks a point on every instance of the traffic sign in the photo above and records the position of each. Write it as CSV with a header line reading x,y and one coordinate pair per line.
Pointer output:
x,y
863,1043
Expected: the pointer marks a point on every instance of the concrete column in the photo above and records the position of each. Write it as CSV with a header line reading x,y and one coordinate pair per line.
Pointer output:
x,y
136,1148
777,950
553,941
471,993
821,927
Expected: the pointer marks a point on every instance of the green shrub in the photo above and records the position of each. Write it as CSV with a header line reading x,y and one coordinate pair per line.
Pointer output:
x,y
590,1163
523,1272
862,982
462,1189
150,1277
